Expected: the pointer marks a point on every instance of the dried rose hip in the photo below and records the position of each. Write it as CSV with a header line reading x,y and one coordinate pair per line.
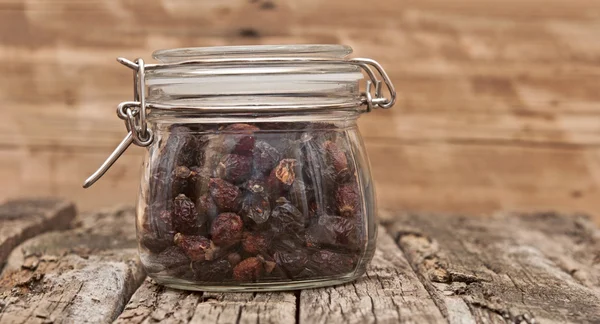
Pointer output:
x,y
197,248
268,265
335,156
183,145
155,242
282,176
265,157
337,161
234,168
242,142
227,229
254,243
248,270
226,195
206,207
292,262
333,231
157,231
330,263
234,258
287,220
215,271
348,200
300,195
171,258
256,205
184,216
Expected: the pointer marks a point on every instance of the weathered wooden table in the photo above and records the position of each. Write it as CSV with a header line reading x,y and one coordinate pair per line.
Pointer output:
x,y
537,268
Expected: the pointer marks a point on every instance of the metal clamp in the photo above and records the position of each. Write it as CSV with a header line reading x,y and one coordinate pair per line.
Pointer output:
x,y
379,100
133,113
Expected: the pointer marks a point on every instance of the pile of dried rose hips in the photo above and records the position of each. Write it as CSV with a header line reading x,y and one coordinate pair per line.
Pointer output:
x,y
248,204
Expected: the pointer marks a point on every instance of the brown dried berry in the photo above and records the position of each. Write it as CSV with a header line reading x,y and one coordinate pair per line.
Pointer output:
x,y
171,258
256,205
182,145
234,168
331,263
265,157
155,242
157,230
254,243
234,258
227,229
333,231
282,176
300,195
242,142
184,215
248,270
226,195
206,207
215,271
335,156
292,262
287,220
348,200
197,248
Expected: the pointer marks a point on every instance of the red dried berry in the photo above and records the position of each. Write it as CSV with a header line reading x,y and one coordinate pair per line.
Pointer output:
x,y
243,140
282,176
227,229
254,243
234,168
226,195
348,200
248,270
197,248
184,216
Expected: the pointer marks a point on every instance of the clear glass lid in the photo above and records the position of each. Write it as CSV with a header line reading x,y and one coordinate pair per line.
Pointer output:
x,y
195,53
254,77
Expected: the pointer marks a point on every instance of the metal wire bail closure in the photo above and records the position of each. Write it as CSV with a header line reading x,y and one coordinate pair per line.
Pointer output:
x,y
134,113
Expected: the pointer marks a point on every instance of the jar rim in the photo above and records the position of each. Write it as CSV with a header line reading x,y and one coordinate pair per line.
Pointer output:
x,y
175,55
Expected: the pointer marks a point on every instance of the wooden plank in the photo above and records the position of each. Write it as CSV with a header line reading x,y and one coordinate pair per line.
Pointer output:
x,y
389,293
84,275
519,268
25,218
153,303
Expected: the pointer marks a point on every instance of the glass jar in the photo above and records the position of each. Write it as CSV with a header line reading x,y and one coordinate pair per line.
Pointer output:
x,y
256,177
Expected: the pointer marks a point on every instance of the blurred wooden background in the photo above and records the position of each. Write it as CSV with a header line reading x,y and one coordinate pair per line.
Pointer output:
x,y
499,99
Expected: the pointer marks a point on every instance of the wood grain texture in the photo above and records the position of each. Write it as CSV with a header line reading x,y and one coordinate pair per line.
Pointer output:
x,y
83,275
539,268
25,218
506,87
153,303
390,292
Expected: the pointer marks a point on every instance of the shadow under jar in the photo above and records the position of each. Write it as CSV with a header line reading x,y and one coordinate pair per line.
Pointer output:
x,y
256,177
